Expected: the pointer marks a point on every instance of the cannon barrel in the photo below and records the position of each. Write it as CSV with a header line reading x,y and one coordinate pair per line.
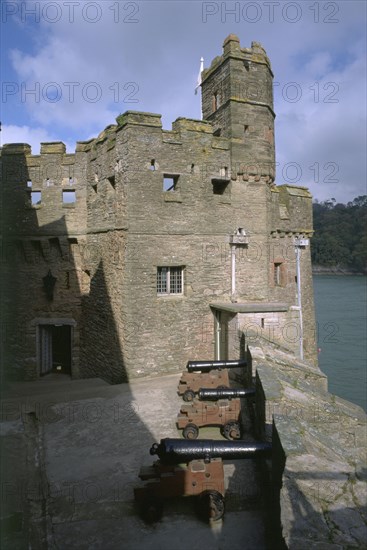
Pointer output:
x,y
213,394
175,451
207,366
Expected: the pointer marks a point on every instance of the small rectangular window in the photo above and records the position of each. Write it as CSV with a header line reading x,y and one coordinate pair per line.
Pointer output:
x,y
169,280
223,172
68,197
36,198
220,186
29,184
170,182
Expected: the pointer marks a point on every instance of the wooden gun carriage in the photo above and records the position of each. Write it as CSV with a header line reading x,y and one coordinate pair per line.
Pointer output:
x,y
191,468
208,374
224,412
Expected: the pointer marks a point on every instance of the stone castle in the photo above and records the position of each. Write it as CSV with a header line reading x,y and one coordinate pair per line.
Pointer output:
x,y
150,247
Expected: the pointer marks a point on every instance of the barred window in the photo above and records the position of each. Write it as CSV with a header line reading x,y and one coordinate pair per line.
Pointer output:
x,y
169,280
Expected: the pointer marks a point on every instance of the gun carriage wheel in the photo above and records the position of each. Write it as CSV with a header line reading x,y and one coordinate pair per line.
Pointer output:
x,y
232,430
188,396
211,505
151,509
190,431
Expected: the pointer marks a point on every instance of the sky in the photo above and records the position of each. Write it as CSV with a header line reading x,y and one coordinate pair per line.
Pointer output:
x,y
68,68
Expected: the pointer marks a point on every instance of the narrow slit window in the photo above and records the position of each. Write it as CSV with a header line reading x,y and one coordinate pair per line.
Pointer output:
x,y
277,274
215,101
223,172
169,280
152,165
36,198
246,130
29,184
68,197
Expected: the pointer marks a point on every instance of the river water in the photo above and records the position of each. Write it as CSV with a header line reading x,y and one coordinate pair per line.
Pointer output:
x,y
341,316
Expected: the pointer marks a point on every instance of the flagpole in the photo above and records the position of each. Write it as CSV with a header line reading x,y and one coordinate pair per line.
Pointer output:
x,y
199,84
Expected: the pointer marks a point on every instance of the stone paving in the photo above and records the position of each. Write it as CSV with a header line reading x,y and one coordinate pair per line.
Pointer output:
x,y
71,457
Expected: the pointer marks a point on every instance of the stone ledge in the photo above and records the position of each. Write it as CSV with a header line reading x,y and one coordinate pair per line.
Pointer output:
x,y
251,307
319,443
139,118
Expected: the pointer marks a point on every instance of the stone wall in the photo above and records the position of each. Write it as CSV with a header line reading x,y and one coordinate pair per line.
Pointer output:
x,y
106,246
38,239
319,440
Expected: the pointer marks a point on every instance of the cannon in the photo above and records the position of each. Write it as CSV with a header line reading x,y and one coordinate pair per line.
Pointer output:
x,y
225,412
207,366
213,394
191,468
211,374
176,451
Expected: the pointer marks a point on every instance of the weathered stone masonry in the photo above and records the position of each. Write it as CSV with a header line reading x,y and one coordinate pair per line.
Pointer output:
x,y
106,246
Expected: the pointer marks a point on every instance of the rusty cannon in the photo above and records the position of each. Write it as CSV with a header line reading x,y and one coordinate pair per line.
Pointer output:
x,y
191,468
211,374
225,412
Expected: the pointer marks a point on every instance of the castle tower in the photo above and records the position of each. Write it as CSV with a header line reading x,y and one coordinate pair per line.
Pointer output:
x,y
173,241
237,98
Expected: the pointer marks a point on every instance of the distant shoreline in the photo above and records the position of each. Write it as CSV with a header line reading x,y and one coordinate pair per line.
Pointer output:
x,y
323,270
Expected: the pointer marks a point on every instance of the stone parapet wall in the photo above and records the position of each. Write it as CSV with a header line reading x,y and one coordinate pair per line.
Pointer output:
x,y
54,175
319,442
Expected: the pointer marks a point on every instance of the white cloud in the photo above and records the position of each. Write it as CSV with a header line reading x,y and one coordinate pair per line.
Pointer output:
x,y
160,53
33,136
325,131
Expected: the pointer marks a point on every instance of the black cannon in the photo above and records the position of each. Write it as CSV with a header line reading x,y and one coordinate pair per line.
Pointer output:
x,y
191,468
176,451
208,374
207,366
213,394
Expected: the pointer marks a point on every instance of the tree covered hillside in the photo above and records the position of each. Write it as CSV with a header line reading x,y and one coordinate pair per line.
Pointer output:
x,y
340,239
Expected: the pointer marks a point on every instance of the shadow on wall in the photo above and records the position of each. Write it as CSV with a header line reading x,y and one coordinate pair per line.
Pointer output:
x,y
92,447
101,352
340,519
